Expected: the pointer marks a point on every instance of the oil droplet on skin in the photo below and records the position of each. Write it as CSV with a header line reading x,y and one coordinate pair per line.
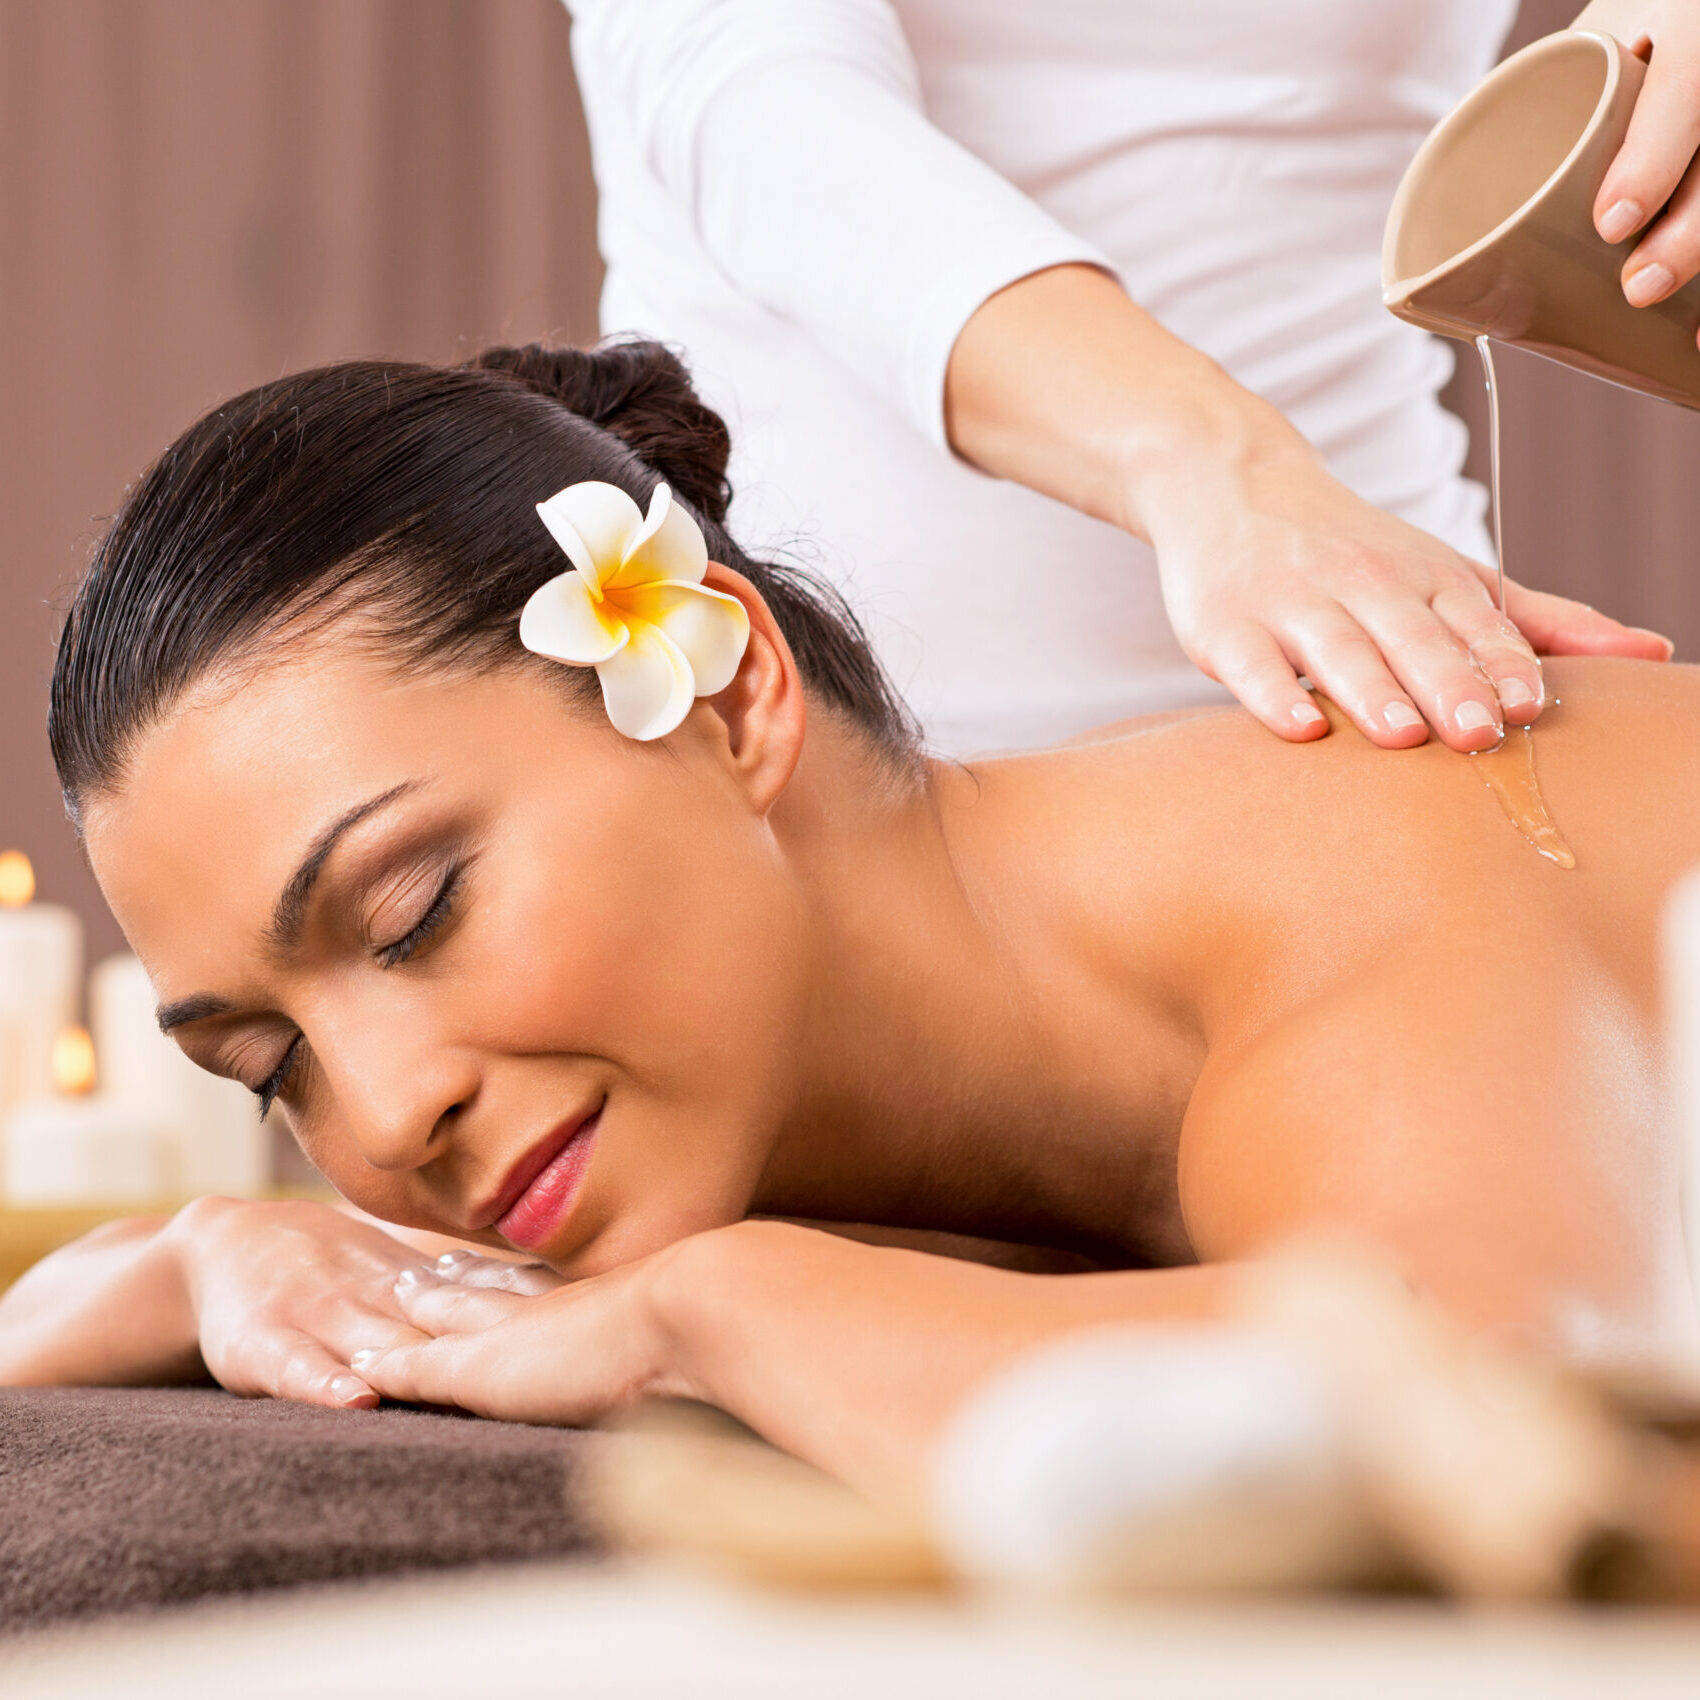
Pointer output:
x,y
1509,772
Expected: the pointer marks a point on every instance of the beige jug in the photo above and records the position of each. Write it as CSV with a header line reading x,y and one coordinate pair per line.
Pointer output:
x,y
1492,230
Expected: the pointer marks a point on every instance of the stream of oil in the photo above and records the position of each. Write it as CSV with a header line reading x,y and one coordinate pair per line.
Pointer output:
x,y
1484,349
1509,770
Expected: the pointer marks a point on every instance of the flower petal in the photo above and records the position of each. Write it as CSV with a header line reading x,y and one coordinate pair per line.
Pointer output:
x,y
647,686
711,627
668,548
596,524
564,621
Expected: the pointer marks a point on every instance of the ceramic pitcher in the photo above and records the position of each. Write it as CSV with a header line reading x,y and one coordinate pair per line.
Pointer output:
x,y
1492,230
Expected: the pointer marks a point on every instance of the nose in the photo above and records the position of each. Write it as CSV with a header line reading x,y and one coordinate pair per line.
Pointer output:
x,y
395,1092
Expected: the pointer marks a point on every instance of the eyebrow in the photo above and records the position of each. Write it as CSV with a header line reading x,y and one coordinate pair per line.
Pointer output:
x,y
290,911
197,1008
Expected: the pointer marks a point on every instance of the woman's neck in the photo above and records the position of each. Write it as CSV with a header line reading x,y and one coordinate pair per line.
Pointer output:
x,y
971,1059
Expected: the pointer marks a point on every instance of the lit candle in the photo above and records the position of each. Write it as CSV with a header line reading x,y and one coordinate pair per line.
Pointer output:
x,y
218,1144
41,962
77,1148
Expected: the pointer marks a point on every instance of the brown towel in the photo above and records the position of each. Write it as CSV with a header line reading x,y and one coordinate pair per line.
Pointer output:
x,y
125,1499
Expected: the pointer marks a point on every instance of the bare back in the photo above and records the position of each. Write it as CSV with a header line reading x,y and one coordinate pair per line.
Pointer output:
x,y
1416,1027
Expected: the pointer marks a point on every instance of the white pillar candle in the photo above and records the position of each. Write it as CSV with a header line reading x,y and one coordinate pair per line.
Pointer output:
x,y
1682,1009
218,1143
41,965
65,1152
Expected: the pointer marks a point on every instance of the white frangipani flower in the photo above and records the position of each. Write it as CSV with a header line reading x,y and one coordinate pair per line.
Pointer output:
x,y
634,607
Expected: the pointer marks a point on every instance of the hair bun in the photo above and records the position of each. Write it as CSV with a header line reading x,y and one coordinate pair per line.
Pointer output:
x,y
641,393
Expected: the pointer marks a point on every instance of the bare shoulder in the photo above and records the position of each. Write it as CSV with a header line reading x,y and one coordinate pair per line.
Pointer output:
x,y
1117,730
1496,1125
1626,685
1611,710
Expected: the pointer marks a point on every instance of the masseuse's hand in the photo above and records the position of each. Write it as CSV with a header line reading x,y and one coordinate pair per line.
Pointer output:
x,y
1270,567
1653,186
284,1293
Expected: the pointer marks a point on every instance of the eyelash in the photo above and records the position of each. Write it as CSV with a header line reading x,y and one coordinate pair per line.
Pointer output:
x,y
390,956
269,1088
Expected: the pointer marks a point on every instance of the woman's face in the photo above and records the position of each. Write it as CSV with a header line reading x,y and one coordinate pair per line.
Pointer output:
x,y
508,975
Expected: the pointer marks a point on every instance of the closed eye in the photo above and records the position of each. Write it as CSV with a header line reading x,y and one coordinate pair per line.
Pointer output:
x,y
275,1082
416,937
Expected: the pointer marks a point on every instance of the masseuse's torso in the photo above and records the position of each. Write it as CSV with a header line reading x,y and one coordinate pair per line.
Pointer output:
x,y
1234,160
1243,936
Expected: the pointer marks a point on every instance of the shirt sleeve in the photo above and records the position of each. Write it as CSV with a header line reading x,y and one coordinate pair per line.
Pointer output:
x,y
793,131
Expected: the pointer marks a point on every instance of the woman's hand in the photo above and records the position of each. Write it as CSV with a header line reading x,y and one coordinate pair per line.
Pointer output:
x,y
515,1342
283,1293
1653,186
1271,568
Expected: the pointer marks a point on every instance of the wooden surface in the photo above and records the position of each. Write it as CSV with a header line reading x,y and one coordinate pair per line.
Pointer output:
x,y
27,1236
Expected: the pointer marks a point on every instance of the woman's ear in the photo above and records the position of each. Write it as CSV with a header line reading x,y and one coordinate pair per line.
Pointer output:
x,y
763,710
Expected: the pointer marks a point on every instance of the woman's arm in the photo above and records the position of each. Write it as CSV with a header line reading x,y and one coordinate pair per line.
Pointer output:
x,y
855,1357
110,1309
1270,567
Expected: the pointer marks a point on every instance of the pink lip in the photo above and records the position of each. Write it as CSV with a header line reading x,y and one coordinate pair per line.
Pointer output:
x,y
546,1183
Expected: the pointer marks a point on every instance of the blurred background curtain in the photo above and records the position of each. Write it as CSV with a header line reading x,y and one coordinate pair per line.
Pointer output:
x,y
197,195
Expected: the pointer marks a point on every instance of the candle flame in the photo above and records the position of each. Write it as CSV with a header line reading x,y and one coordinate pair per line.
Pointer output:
x,y
73,1060
17,879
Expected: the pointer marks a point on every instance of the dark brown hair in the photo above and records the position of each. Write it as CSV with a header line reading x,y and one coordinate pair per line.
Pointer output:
x,y
405,493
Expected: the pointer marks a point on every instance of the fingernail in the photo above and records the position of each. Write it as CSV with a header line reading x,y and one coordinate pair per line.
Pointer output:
x,y
408,1279
1400,717
1308,714
451,1261
1621,219
1474,717
1515,693
348,1388
1650,284
364,1358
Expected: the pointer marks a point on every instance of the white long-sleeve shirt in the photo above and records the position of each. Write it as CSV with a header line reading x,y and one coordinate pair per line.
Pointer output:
x,y
811,197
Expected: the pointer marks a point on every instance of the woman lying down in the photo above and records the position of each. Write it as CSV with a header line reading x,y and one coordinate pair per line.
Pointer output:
x,y
574,886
